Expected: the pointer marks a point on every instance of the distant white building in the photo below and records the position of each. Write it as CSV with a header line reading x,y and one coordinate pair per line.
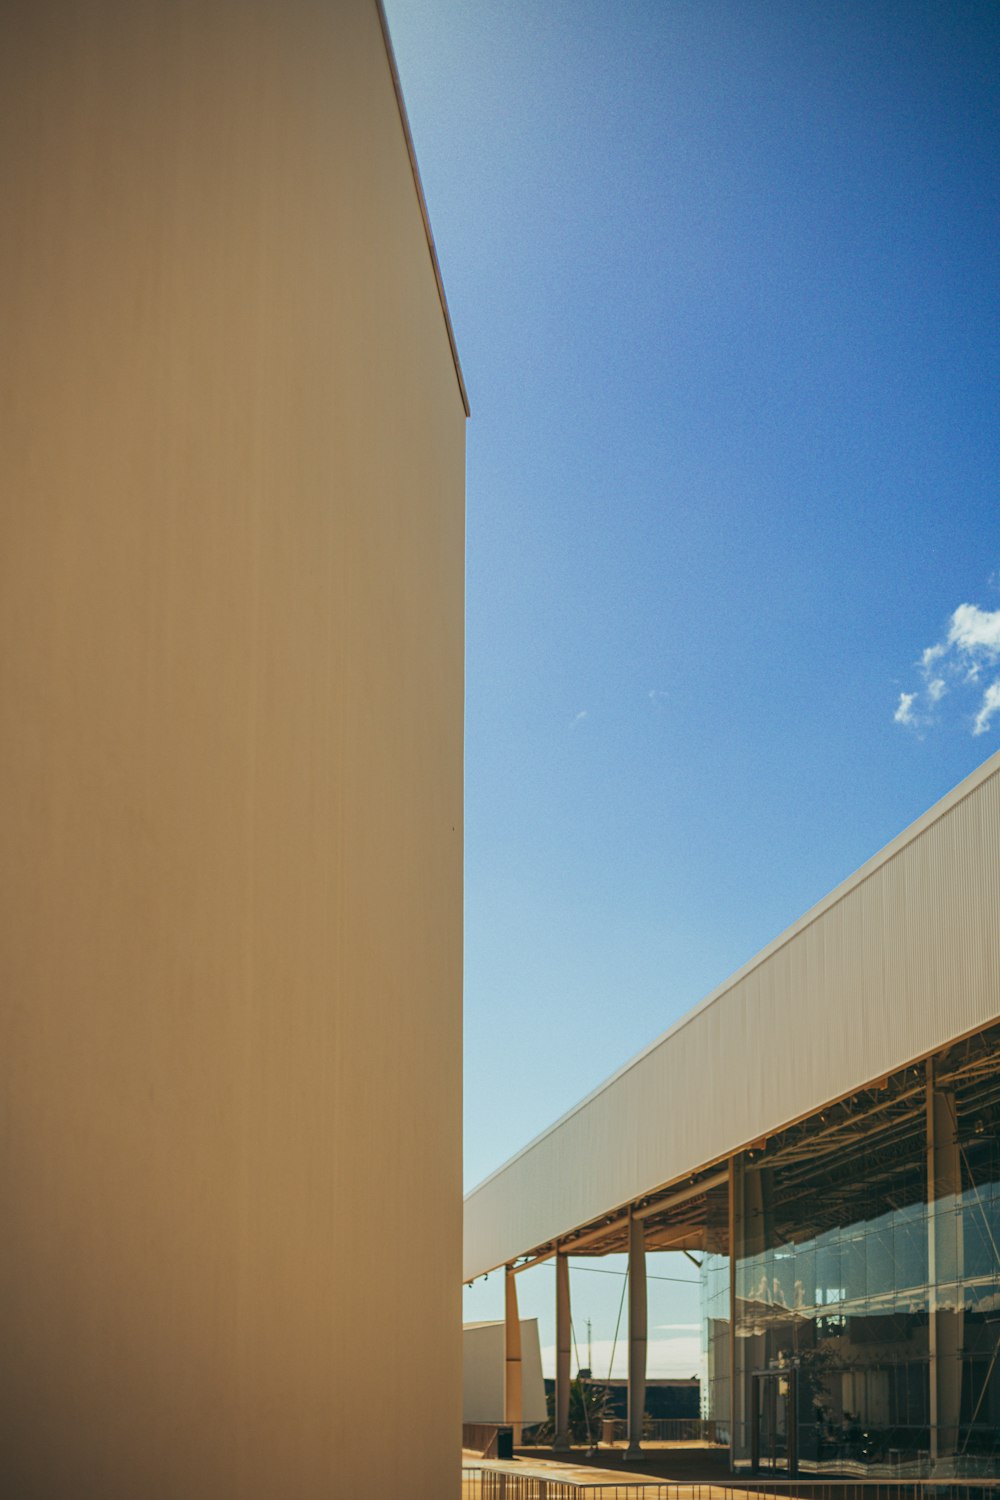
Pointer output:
x,y
483,1365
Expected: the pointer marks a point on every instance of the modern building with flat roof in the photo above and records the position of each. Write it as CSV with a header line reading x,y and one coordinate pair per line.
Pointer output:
x,y
825,1130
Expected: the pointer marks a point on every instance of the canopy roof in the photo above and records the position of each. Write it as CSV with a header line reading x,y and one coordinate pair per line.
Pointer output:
x,y
901,959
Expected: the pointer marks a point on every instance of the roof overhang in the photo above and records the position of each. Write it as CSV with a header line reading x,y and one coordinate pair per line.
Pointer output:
x,y
898,961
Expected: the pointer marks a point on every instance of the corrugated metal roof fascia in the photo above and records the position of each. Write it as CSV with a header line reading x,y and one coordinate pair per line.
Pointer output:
x,y
412,153
950,800
906,963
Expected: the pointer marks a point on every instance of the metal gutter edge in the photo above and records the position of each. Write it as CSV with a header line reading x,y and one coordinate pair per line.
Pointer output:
x,y
411,152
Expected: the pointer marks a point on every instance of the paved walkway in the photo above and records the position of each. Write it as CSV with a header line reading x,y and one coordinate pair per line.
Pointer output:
x,y
682,1463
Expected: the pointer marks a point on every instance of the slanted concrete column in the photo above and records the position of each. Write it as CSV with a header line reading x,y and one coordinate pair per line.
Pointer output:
x,y
513,1404
945,1269
636,1335
563,1338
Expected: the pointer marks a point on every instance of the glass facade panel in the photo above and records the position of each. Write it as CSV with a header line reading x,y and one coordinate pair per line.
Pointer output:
x,y
866,1267
715,1315
715,1283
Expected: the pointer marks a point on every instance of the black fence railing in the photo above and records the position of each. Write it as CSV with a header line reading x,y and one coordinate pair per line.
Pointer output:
x,y
667,1430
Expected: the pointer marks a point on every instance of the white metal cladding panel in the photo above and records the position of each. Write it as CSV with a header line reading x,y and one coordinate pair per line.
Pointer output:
x,y
483,1373
483,1369
898,961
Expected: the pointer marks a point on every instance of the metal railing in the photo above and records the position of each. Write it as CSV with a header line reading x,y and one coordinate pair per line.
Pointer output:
x,y
499,1482
685,1430
668,1430
488,1484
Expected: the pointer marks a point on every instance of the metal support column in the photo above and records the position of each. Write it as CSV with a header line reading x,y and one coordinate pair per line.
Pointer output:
x,y
563,1339
945,1269
513,1405
734,1405
636,1335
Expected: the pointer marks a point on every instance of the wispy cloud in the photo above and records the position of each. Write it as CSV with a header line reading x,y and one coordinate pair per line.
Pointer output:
x,y
990,706
578,718
656,695
976,631
967,654
904,712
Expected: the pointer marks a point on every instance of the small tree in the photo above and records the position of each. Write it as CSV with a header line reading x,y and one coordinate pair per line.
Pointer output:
x,y
588,1406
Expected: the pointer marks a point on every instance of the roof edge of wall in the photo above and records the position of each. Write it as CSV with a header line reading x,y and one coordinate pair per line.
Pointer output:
x,y
989,768
421,200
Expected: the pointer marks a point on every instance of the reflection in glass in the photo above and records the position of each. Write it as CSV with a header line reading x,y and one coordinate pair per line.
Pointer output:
x,y
867,1281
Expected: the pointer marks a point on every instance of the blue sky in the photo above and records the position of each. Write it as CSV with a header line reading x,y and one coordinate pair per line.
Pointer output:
x,y
723,278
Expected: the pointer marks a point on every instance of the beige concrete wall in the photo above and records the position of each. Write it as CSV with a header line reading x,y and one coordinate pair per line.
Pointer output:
x,y
893,964
231,552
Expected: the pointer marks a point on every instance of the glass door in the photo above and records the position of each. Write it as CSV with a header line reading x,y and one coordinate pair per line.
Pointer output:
x,y
773,1428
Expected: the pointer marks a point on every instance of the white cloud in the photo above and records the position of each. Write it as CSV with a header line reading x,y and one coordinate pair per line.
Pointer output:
x,y
970,644
975,631
656,695
989,706
578,718
904,712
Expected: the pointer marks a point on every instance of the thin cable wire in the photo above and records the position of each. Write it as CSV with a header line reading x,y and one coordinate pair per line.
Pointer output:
x,y
603,1271
583,1393
618,1324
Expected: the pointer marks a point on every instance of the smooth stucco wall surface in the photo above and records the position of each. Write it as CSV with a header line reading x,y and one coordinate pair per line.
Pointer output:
x,y
483,1369
894,963
231,554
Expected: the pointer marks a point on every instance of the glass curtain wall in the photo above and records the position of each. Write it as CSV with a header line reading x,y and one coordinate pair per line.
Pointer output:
x,y
867,1282
715,1309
